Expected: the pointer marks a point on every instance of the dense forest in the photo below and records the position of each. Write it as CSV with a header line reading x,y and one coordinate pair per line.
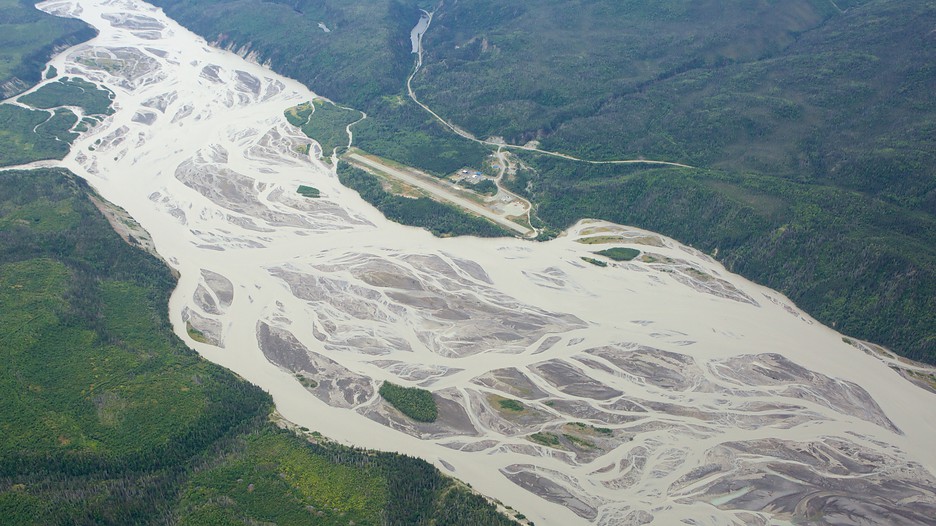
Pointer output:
x,y
93,99
28,38
413,402
325,122
107,418
860,264
44,128
811,124
28,135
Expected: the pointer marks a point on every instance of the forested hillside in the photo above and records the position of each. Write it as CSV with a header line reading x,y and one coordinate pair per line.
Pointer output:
x,y
810,123
814,132
360,55
28,37
107,418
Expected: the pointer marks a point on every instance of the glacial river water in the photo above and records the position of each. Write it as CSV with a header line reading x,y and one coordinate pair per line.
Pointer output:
x,y
658,390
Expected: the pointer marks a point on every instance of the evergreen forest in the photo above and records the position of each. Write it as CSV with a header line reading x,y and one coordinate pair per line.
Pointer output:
x,y
106,417
807,127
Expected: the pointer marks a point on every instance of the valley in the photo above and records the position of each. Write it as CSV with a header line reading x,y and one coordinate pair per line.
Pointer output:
x,y
811,175
654,390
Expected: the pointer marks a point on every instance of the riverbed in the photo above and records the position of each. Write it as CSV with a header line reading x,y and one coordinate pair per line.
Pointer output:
x,y
660,389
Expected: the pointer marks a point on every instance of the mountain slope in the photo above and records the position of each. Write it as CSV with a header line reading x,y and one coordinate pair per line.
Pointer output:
x,y
28,37
811,124
107,418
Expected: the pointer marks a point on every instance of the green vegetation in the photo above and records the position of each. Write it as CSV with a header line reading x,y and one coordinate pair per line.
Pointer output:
x,y
413,402
485,187
599,240
593,261
546,439
309,191
325,122
28,37
98,395
510,404
107,418
33,135
93,99
306,381
441,219
402,131
28,135
811,124
269,476
622,48
579,441
58,127
619,253
299,114
196,334
576,435
274,467
927,379
582,427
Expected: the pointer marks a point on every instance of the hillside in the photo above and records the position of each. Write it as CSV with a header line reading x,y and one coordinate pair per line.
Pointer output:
x,y
107,418
28,37
609,376
812,130
43,124
810,124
